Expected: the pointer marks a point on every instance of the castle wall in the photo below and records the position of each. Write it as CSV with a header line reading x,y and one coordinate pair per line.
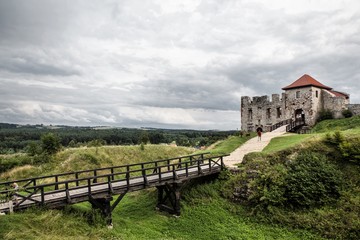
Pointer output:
x,y
335,104
260,111
317,102
354,108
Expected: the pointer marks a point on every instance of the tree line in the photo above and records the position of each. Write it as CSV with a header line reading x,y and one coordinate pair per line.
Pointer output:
x,y
18,138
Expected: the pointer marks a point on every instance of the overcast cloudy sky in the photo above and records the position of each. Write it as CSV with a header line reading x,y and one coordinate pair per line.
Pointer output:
x,y
162,63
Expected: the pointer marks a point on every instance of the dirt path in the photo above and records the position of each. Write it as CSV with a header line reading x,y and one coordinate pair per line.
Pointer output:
x,y
252,145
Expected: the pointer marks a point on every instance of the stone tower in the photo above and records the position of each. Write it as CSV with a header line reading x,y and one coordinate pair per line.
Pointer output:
x,y
303,99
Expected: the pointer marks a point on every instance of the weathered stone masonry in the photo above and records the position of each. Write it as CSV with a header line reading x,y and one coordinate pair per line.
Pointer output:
x,y
303,99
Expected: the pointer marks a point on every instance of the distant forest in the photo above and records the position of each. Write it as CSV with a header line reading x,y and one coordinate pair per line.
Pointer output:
x,y
16,138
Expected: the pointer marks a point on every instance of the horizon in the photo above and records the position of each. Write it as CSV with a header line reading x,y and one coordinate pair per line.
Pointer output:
x,y
114,127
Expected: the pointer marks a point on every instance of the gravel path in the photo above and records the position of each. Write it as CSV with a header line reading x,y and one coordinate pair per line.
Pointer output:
x,y
252,145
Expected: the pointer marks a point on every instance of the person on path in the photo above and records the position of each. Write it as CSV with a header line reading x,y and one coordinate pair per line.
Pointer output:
x,y
259,131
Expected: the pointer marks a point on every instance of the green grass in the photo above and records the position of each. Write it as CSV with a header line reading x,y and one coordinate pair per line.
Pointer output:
x,y
351,124
204,213
230,144
74,159
49,224
287,141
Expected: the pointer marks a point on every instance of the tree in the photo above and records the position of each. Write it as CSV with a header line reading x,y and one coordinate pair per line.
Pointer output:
x,y
33,148
156,137
144,138
50,143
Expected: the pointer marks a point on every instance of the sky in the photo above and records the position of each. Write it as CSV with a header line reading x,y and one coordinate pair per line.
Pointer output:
x,y
167,64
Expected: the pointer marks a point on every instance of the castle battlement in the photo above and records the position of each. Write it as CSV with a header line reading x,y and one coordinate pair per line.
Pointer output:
x,y
261,99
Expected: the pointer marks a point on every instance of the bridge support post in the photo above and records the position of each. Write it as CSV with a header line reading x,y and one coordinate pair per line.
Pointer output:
x,y
169,194
105,207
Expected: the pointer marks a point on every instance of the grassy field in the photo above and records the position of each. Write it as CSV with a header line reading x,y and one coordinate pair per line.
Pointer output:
x,y
229,145
351,124
74,159
287,141
204,213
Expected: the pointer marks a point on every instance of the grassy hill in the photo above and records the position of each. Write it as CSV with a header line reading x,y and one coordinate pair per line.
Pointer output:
x,y
351,125
207,209
324,169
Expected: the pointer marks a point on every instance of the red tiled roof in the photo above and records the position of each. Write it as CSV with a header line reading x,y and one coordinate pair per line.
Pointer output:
x,y
339,94
306,81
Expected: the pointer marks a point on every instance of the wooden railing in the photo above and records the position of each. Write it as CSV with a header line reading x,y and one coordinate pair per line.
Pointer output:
x,y
79,186
279,124
57,178
293,124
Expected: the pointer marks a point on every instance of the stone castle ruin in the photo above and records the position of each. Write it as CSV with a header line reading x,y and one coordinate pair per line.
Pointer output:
x,y
303,100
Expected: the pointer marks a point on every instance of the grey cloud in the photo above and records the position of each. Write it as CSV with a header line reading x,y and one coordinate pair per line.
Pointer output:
x,y
86,62
25,64
188,91
35,22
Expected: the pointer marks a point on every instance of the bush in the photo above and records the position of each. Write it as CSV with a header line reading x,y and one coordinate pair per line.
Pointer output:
x,y
33,148
311,181
142,147
96,143
50,143
336,139
347,113
308,180
350,149
7,163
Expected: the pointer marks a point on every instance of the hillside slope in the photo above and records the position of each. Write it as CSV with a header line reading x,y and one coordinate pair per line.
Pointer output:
x,y
205,213
311,181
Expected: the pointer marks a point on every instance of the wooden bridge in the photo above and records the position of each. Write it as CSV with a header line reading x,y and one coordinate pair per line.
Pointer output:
x,y
98,186
291,125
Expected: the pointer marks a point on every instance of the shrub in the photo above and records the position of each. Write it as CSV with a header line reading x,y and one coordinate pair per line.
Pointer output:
x,y
308,180
350,149
336,139
347,113
50,143
273,185
6,163
142,147
311,181
33,148
96,143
